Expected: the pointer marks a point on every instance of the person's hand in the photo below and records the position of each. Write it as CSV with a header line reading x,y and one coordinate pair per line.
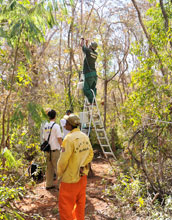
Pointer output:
x,y
81,171
82,42
62,149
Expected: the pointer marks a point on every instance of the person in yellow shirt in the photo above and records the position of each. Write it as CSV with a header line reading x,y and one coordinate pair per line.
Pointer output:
x,y
72,170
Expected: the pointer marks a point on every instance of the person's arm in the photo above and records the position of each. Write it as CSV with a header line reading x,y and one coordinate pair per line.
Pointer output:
x,y
89,158
84,45
43,133
60,141
82,42
58,134
84,169
64,157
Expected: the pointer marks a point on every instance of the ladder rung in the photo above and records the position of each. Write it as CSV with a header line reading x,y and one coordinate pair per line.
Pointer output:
x,y
84,130
87,128
100,129
97,122
105,145
108,153
94,119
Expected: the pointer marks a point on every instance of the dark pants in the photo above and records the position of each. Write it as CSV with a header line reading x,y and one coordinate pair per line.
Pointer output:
x,y
90,83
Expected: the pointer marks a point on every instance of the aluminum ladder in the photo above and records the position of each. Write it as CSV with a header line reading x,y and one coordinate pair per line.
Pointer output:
x,y
94,118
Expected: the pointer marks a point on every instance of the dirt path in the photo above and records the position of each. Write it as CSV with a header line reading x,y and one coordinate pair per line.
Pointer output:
x,y
42,204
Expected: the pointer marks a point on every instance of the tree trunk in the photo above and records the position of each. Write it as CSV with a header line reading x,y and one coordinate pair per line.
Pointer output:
x,y
105,101
113,140
70,46
60,46
8,96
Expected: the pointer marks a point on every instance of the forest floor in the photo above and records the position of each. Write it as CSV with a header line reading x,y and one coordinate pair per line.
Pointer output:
x,y
39,203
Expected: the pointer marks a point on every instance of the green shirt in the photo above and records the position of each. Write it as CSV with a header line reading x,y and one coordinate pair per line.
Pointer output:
x,y
89,60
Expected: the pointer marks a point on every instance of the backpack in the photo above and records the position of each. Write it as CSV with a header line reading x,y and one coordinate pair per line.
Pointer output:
x,y
35,171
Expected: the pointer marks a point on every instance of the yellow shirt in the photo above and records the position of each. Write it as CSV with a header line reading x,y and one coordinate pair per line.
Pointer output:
x,y
77,152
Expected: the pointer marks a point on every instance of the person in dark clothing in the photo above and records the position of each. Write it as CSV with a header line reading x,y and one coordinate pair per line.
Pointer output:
x,y
89,69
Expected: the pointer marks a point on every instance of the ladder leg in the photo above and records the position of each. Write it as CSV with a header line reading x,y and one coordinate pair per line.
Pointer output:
x,y
95,119
100,132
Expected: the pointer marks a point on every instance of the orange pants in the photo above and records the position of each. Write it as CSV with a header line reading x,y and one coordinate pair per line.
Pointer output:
x,y
72,197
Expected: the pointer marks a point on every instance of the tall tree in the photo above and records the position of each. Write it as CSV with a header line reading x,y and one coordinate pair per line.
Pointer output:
x,y
147,110
22,28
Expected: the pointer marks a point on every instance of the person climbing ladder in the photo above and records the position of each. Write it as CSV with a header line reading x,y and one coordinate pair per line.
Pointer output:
x,y
89,69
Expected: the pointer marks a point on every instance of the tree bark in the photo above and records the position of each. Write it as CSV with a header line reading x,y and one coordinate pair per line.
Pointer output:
x,y
164,14
70,46
113,139
105,101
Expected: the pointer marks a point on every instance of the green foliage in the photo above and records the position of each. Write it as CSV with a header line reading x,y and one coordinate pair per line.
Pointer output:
x,y
130,192
10,190
25,22
151,94
14,178
8,194
160,36
146,124
128,189
37,113
17,116
10,162
31,151
34,110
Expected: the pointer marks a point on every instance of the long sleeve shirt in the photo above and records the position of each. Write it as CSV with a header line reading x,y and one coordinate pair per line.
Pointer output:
x,y
89,60
77,152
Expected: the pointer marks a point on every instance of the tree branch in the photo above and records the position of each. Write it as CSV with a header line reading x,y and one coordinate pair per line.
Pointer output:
x,y
152,47
164,14
165,18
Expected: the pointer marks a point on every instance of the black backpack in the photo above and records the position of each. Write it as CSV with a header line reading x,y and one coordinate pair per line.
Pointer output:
x,y
35,172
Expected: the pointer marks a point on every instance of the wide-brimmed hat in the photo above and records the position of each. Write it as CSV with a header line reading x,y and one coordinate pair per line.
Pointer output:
x,y
73,119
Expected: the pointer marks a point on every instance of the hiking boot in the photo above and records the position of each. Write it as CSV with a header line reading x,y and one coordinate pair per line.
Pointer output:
x,y
51,187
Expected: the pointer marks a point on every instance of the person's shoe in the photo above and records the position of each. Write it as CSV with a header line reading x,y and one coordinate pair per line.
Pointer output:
x,y
55,177
51,187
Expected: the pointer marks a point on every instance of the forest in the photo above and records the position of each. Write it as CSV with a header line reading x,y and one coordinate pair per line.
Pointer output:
x,y
41,62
